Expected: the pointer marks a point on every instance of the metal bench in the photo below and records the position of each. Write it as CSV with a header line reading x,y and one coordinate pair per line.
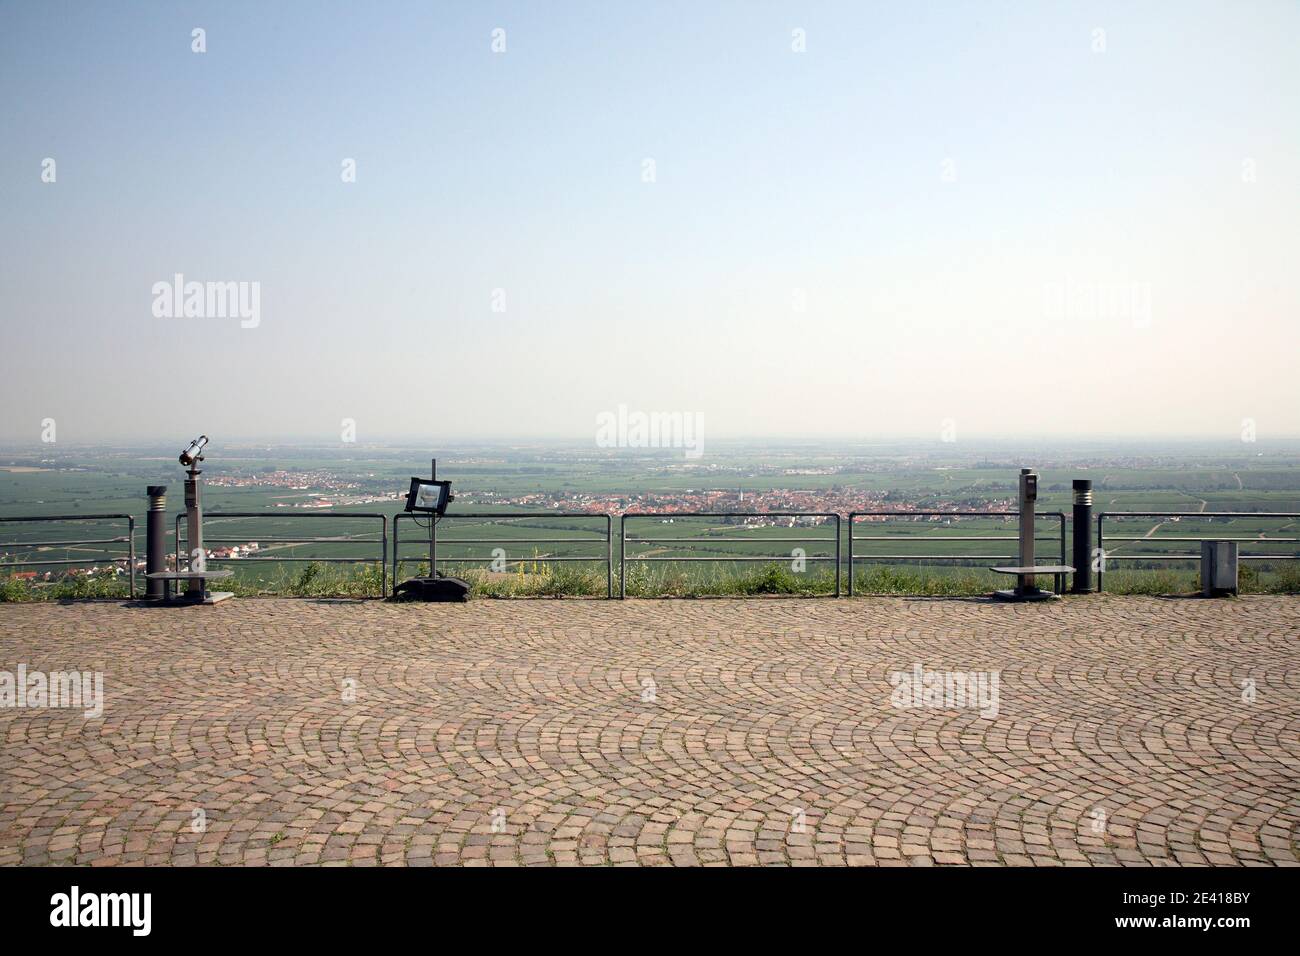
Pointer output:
x,y
1026,589
207,597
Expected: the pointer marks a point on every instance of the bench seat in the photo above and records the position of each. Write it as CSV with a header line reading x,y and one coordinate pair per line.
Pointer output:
x,y
1037,569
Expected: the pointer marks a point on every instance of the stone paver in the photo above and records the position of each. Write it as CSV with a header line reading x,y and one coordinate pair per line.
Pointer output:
x,y
656,733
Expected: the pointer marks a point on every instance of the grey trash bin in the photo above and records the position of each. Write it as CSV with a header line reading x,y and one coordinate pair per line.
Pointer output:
x,y
1218,568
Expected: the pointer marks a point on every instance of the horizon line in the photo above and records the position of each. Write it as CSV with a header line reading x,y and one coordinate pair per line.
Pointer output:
x,y
405,441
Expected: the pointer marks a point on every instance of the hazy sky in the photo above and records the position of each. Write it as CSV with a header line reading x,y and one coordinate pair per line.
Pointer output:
x,y
932,213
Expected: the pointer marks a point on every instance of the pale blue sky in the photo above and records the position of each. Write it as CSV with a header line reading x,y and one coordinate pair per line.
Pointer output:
x,y
780,176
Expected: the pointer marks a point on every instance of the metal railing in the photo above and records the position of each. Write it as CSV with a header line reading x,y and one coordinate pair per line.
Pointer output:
x,y
607,559
625,559
382,560
623,540
1058,579
1166,556
128,539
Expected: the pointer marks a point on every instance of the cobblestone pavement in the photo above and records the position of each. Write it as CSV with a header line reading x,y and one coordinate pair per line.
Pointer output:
x,y
657,732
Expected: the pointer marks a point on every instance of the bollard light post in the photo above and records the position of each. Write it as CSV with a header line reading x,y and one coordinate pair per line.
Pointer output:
x,y
156,589
1082,534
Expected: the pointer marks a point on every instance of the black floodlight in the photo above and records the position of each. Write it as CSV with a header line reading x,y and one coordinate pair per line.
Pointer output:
x,y
429,497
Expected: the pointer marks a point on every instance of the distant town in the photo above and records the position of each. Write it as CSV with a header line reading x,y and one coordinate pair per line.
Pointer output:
x,y
757,482
324,489
320,489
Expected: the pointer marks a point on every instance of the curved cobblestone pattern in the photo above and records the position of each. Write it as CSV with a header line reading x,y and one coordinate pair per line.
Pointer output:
x,y
525,732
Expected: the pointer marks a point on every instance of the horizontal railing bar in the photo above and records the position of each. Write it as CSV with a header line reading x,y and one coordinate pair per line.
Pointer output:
x,y
955,514
442,541
516,516
1169,537
937,557
540,559
487,559
92,562
291,514
68,518
56,544
718,540
207,539
1154,557
729,514
713,554
308,560
1198,514
724,554
780,558
951,537
425,546
1196,557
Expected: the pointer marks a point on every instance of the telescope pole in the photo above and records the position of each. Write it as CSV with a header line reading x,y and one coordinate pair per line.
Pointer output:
x,y
194,533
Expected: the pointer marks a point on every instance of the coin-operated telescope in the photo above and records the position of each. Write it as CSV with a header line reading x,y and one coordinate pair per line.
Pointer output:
x,y
197,573
192,455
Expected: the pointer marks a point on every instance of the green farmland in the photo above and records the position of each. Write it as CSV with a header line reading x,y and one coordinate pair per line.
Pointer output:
x,y
667,554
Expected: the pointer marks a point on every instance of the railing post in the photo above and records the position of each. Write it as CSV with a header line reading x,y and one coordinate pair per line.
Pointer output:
x,y
1060,578
609,557
130,552
837,555
433,527
1082,526
396,566
622,557
1101,552
176,535
383,558
850,588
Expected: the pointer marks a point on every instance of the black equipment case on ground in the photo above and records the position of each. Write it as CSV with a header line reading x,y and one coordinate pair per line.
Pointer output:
x,y
440,587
